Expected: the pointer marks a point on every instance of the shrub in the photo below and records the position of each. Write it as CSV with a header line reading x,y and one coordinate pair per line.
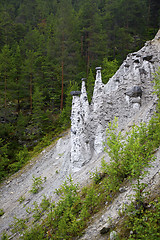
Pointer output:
x,y
143,223
37,184
19,225
1,212
21,199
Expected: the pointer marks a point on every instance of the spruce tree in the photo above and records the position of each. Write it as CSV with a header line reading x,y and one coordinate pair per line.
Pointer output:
x,y
6,70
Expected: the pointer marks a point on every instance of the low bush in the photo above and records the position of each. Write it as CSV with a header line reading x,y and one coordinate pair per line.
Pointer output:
x,y
37,184
1,212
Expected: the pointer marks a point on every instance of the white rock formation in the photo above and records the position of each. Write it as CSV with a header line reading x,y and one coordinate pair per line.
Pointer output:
x,y
125,96
84,103
80,144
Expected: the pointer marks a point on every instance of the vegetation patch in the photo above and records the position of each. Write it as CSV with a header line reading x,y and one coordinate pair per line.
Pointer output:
x,y
21,199
37,184
1,212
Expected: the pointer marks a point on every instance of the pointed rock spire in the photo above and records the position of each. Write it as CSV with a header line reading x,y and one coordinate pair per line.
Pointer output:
x,y
98,75
84,102
80,144
97,111
98,89
76,126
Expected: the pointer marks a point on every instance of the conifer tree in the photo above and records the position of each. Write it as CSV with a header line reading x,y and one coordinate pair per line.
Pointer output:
x,y
109,68
65,43
92,38
90,85
38,105
6,70
29,71
17,77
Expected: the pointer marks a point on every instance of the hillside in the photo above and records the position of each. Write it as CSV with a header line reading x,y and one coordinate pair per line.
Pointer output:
x,y
57,162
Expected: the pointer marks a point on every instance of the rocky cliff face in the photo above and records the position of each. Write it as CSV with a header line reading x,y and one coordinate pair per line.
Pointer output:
x,y
127,94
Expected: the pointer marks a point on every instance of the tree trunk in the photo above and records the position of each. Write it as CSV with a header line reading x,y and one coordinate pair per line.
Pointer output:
x,y
5,93
88,58
88,55
149,11
82,46
5,97
18,100
62,87
61,107
31,79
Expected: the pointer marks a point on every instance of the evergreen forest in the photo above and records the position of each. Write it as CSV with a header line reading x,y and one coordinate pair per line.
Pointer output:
x,y
46,47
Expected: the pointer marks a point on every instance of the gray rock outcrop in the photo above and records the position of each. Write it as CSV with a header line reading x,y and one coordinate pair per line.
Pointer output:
x,y
127,94
80,144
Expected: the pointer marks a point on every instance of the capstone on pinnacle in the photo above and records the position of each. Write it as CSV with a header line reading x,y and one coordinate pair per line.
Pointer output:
x,y
98,68
83,79
75,93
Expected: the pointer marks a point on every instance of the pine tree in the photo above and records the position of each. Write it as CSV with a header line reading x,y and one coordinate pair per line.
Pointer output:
x,y
125,24
38,105
28,78
108,69
6,26
90,85
92,36
17,86
6,70
66,44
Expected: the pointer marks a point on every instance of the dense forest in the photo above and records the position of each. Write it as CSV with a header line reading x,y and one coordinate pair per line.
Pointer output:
x,y
46,47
